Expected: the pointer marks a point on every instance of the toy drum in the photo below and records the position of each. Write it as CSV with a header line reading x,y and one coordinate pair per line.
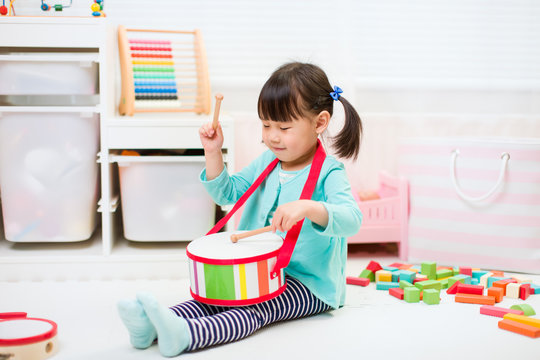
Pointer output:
x,y
235,274
26,338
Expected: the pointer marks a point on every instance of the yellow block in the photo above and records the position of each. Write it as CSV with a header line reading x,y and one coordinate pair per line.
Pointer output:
x,y
383,275
523,319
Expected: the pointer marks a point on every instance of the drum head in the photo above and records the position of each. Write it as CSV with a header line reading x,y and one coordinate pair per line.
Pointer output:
x,y
26,331
220,247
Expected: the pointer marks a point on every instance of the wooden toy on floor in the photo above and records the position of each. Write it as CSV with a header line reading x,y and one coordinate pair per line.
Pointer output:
x,y
498,311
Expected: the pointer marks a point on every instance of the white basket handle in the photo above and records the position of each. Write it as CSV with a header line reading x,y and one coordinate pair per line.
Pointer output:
x,y
504,157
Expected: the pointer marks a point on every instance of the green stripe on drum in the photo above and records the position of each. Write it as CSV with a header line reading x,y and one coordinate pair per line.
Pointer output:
x,y
219,282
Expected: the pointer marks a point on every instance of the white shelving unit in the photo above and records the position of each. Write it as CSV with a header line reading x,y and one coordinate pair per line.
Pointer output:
x,y
107,254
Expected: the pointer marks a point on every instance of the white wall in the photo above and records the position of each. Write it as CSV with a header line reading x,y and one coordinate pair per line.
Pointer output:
x,y
411,68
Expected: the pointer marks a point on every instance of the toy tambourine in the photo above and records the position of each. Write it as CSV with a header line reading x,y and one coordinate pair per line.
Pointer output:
x,y
24,338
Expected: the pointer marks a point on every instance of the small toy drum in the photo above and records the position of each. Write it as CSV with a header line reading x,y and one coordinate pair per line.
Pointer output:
x,y
235,274
23,338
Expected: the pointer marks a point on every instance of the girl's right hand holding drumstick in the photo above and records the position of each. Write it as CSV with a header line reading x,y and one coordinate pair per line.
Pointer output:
x,y
211,136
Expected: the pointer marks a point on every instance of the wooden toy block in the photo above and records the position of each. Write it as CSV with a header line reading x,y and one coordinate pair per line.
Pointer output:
x,y
492,279
535,289
397,292
464,279
429,269
352,280
498,311
498,273
512,290
477,274
382,285
475,281
522,278
444,273
405,267
524,291
484,279
404,283
367,274
420,277
503,283
526,308
519,328
475,299
432,296
390,268
465,270
374,266
396,265
411,294
444,283
407,275
383,275
395,276
428,284
452,290
496,292
523,319
470,289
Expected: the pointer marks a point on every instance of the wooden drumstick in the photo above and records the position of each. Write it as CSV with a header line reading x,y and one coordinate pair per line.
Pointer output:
x,y
219,97
236,237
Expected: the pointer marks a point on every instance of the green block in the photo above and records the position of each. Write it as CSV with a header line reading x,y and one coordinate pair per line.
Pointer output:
x,y
443,273
411,294
432,296
526,308
429,269
367,274
428,284
404,284
464,279
444,283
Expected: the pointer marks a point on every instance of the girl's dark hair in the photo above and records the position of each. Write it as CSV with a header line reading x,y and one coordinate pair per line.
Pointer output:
x,y
298,89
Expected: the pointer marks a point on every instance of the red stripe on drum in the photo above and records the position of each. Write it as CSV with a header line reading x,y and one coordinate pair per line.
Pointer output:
x,y
262,271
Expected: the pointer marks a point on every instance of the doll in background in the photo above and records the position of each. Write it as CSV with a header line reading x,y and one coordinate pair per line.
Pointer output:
x,y
295,107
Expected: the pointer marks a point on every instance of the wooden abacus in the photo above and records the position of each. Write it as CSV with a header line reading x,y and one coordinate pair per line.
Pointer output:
x,y
163,71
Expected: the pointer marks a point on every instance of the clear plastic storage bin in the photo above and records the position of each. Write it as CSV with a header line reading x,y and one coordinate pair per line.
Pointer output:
x,y
162,198
48,78
48,175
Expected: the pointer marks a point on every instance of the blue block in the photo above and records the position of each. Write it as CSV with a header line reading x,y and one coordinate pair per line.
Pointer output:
x,y
390,268
395,276
479,274
406,275
382,285
535,289
475,281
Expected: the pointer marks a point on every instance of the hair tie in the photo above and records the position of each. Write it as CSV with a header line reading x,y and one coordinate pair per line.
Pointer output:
x,y
336,93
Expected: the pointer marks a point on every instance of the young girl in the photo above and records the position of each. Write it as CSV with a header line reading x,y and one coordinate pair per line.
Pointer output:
x,y
295,106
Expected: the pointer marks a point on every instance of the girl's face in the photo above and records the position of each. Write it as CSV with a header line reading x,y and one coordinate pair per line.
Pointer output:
x,y
293,142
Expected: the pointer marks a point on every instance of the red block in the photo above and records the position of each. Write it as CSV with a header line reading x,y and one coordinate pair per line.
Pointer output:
x,y
374,266
524,291
470,289
353,280
465,270
396,265
452,290
397,292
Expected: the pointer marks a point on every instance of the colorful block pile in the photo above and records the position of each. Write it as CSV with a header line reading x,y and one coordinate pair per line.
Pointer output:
x,y
469,285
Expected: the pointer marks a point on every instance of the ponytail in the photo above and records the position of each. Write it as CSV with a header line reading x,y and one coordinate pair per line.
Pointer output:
x,y
347,141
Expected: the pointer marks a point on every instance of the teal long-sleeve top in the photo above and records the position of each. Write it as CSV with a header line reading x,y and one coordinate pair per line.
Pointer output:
x,y
319,258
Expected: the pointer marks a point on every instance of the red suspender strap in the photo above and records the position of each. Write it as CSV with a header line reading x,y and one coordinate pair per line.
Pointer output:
x,y
287,249
221,223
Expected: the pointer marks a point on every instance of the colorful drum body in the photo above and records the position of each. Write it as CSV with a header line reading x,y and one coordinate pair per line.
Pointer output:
x,y
234,274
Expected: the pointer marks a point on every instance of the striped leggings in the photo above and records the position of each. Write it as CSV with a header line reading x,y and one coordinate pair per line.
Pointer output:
x,y
212,325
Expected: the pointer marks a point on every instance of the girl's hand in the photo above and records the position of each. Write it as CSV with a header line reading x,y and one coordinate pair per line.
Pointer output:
x,y
287,215
211,140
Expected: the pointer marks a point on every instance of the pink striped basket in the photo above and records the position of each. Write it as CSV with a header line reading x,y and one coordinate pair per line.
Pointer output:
x,y
474,201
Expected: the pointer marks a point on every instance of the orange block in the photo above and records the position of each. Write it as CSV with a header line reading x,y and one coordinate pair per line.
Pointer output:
x,y
496,292
475,299
519,328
